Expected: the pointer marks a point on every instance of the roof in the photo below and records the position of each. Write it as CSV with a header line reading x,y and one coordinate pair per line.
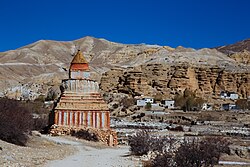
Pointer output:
x,y
79,58
143,97
222,92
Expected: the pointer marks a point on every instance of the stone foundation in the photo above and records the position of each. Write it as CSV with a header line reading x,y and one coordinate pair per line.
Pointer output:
x,y
106,136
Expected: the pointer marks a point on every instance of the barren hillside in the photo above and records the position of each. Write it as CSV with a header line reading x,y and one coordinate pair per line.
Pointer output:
x,y
239,51
44,63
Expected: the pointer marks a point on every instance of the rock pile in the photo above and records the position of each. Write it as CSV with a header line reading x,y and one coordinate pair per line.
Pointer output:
x,y
106,136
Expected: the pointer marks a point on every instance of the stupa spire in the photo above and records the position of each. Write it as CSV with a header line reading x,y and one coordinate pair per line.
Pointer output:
x,y
79,58
79,67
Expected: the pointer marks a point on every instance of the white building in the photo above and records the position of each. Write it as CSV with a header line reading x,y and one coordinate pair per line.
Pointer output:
x,y
169,104
229,95
144,101
207,107
229,106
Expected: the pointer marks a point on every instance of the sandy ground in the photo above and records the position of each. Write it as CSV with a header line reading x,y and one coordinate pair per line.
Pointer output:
x,y
38,152
93,155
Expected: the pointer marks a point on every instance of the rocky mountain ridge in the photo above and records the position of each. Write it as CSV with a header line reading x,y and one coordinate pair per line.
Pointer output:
x,y
239,51
236,47
46,62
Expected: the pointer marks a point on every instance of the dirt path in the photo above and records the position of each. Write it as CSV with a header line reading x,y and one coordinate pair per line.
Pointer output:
x,y
89,156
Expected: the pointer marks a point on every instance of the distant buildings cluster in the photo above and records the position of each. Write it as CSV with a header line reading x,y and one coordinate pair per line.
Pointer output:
x,y
170,104
229,95
141,102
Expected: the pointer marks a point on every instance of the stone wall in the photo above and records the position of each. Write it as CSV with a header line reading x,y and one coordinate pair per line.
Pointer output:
x,y
107,136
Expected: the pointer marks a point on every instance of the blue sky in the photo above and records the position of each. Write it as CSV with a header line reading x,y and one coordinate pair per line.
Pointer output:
x,y
189,23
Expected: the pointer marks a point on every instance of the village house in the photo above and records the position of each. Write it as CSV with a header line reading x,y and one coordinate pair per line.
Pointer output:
x,y
229,106
144,100
229,95
169,104
207,107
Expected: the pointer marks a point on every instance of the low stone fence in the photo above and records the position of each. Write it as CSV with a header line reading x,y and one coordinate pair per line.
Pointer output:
x,y
107,136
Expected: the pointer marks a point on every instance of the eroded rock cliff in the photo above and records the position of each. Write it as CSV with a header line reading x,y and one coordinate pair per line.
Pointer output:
x,y
152,79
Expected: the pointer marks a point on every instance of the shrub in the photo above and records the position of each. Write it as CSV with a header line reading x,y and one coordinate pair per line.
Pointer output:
x,y
40,98
141,115
243,104
163,160
127,102
15,122
140,142
201,153
115,106
35,107
146,163
51,95
188,154
41,113
40,124
212,148
162,144
191,153
179,100
177,128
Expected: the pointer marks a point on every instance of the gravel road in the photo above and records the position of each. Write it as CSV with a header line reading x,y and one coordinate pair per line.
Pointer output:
x,y
91,156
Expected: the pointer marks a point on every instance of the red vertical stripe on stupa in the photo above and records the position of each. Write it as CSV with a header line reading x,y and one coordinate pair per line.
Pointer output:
x,y
73,118
92,119
96,120
78,119
108,120
62,117
86,118
100,118
68,118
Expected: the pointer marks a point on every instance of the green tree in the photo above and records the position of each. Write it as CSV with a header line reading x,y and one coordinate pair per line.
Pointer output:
x,y
188,101
148,106
243,104
179,100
